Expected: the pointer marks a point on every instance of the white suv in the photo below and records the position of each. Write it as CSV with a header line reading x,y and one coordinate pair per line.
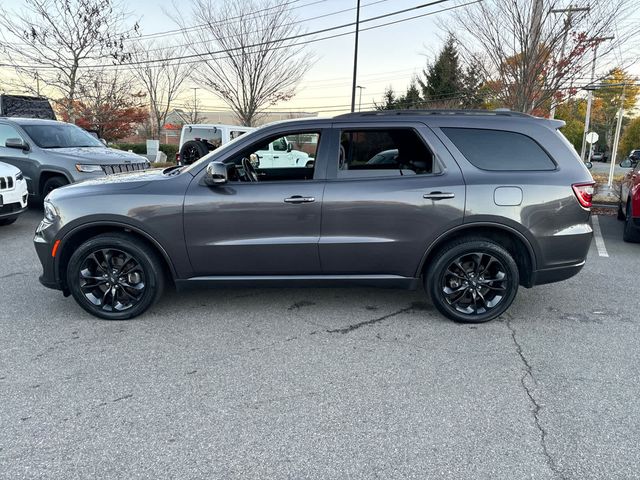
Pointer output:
x,y
199,139
13,194
280,154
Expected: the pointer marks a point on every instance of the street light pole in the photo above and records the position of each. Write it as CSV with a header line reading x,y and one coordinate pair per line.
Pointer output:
x,y
616,139
195,104
360,101
355,60
587,119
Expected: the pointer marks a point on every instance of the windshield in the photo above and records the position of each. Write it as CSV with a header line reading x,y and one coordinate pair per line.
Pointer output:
x,y
60,135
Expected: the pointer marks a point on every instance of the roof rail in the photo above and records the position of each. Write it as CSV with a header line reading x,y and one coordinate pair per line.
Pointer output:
x,y
497,112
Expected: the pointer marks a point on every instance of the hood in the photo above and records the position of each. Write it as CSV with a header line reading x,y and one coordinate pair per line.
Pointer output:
x,y
109,184
96,155
7,170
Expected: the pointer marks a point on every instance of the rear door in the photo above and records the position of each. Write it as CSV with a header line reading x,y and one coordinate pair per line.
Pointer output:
x,y
380,218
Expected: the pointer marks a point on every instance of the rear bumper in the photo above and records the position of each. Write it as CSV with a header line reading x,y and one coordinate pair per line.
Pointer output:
x,y
556,274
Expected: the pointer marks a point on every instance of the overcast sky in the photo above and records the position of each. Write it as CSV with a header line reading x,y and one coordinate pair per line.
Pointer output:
x,y
388,56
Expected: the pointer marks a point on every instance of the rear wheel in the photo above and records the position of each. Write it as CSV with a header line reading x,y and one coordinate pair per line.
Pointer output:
x,y
631,233
621,215
473,280
7,221
115,278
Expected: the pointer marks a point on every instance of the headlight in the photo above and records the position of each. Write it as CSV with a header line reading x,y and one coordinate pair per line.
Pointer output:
x,y
50,211
19,176
88,168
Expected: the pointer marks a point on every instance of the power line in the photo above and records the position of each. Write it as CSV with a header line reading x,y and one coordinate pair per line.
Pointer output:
x,y
198,56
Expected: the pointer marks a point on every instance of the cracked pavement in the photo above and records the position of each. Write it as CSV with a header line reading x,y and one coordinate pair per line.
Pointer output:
x,y
321,383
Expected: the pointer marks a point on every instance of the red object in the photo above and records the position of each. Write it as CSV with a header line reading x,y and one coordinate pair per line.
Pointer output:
x,y
54,250
584,193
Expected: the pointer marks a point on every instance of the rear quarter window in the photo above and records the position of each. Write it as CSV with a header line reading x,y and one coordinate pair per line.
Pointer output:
x,y
499,150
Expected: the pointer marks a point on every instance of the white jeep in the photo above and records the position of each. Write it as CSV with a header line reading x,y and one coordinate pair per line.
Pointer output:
x,y
280,154
13,194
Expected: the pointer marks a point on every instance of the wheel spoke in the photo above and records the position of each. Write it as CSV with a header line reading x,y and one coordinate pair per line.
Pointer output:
x,y
91,286
97,262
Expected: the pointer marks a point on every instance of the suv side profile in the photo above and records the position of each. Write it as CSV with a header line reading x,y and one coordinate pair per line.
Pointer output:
x,y
474,205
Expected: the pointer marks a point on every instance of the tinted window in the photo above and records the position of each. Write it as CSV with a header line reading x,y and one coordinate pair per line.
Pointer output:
x,y
499,150
6,132
211,135
388,152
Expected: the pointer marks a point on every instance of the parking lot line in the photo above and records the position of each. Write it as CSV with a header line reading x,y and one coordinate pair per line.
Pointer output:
x,y
597,235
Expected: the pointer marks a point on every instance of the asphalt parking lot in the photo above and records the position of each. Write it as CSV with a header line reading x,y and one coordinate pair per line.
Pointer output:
x,y
322,383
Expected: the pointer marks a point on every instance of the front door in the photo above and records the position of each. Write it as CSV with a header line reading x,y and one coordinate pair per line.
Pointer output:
x,y
244,228
378,218
18,158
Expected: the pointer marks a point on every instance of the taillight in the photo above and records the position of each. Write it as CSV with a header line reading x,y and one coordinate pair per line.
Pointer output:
x,y
584,193
177,159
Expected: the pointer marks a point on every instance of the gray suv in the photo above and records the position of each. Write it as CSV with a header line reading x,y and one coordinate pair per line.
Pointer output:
x,y
51,154
474,205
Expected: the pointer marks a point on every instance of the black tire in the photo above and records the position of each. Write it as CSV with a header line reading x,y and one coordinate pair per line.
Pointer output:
x,y
143,276
457,285
191,151
51,184
621,215
310,164
630,234
7,221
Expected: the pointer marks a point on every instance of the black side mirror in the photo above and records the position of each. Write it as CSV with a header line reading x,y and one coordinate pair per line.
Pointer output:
x,y
18,143
626,163
289,147
216,174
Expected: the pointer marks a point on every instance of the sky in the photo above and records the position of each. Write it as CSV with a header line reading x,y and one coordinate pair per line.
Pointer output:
x,y
388,56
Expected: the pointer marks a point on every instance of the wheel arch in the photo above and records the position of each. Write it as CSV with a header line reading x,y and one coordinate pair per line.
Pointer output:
x,y
84,232
48,173
514,241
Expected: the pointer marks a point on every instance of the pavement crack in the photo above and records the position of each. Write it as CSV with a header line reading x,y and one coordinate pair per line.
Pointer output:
x,y
14,274
537,407
355,326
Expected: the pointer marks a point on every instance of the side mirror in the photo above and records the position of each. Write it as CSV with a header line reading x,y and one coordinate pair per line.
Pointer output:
x,y
18,143
626,163
103,141
289,147
216,174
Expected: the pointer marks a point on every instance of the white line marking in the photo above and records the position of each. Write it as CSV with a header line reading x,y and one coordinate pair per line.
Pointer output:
x,y
597,235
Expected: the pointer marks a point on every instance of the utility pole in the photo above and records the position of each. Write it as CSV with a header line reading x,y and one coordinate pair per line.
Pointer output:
x,y
587,119
531,54
195,104
360,101
567,27
37,84
355,61
616,138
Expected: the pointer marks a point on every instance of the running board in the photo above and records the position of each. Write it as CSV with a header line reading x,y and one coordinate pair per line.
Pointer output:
x,y
288,281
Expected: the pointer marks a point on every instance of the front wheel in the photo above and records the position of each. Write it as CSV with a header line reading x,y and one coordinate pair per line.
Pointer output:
x,y
115,278
7,221
473,280
51,184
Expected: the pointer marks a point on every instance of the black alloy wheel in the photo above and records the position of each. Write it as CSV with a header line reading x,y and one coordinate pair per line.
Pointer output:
x,y
473,281
631,233
114,278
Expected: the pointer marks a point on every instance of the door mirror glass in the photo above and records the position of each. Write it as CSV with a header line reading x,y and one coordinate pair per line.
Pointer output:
x,y
16,143
216,174
626,163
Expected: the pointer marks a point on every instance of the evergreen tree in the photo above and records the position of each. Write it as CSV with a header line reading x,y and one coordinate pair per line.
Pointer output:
x,y
471,88
443,79
389,101
411,99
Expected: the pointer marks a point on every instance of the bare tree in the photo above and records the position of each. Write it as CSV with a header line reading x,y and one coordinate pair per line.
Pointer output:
x,y
161,73
258,64
535,50
51,42
192,111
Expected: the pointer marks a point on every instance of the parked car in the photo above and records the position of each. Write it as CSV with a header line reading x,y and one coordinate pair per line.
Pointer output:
x,y
600,157
281,154
197,140
384,158
472,208
24,106
629,206
13,194
52,154
634,156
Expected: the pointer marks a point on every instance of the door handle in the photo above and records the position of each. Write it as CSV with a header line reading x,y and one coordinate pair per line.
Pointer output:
x,y
299,199
275,157
438,195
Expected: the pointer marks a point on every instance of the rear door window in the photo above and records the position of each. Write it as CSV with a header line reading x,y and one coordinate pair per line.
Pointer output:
x,y
499,150
388,152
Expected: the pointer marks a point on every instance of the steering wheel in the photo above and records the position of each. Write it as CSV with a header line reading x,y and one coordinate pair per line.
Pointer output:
x,y
250,173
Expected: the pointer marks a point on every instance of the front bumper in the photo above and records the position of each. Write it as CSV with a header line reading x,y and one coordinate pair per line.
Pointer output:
x,y
14,201
43,249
